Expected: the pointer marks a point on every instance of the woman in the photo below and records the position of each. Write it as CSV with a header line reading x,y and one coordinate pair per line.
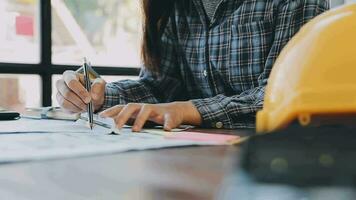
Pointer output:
x,y
206,63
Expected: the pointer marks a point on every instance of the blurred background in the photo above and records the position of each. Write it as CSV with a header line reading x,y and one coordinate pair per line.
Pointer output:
x,y
106,31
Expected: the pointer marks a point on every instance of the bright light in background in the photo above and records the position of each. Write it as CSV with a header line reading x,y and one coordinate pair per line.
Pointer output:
x,y
335,3
19,35
19,43
106,31
20,91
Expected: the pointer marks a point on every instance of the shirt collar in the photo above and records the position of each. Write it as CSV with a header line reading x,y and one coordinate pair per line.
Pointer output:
x,y
200,8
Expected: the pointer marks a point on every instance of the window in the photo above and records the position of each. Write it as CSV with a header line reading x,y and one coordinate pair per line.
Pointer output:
x,y
106,31
40,39
17,91
19,32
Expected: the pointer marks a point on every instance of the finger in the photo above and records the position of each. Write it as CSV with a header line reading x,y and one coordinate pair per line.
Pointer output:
x,y
66,105
72,81
125,114
81,78
142,117
69,95
98,89
112,112
169,123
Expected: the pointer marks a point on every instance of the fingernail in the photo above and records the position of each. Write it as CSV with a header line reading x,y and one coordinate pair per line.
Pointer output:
x,y
135,129
167,128
87,99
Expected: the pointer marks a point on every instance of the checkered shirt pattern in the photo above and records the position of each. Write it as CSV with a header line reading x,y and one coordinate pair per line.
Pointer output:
x,y
222,66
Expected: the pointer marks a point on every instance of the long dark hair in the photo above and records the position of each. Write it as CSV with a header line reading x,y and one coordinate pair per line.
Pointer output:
x,y
155,14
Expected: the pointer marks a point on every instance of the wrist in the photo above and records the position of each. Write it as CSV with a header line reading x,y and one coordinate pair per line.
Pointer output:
x,y
190,114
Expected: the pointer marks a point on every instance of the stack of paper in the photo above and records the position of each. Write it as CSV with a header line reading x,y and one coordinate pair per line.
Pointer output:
x,y
26,140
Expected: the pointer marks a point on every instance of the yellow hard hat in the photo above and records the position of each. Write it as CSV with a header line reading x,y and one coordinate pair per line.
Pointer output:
x,y
315,74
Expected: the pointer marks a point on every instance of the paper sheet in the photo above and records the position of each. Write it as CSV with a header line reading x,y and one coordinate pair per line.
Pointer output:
x,y
26,125
47,126
203,137
49,139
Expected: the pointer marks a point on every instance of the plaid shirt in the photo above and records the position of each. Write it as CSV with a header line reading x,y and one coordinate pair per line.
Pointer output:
x,y
222,66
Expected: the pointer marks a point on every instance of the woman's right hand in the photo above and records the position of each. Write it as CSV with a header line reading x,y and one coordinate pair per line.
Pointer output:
x,y
72,95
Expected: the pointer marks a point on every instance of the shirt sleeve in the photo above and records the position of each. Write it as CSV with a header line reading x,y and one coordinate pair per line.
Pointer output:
x,y
161,87
239,111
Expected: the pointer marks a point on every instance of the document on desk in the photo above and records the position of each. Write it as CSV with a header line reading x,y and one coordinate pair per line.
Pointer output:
x,y
47,126
28,140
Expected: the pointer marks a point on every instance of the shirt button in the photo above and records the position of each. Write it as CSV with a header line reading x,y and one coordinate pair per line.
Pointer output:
x,y
219,125
205,73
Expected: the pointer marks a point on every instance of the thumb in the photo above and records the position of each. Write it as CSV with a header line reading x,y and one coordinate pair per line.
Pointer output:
x,y
98,89
97,93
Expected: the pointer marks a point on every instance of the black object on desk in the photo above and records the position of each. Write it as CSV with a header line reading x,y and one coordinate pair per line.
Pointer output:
x,y
9,115
303,156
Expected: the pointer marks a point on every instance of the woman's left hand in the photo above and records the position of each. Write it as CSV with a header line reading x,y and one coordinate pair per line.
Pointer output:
x,y
170,115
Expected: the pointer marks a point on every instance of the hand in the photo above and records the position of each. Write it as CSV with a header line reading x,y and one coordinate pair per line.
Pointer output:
x,y
72,95
170,115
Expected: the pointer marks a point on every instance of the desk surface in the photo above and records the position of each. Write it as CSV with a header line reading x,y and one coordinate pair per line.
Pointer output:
x,y
176,173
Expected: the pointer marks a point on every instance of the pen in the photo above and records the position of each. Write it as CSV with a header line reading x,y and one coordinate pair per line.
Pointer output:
x,y
88,88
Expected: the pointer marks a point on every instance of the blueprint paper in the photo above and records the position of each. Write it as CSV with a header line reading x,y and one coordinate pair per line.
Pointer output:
x,y
47,126
49,139
25,125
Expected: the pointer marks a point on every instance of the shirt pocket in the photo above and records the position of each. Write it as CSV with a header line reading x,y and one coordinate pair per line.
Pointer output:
x,y
250,45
